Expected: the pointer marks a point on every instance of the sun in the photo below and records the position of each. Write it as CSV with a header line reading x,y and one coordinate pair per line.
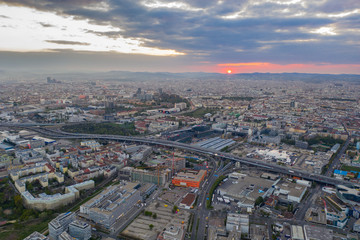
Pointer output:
x,y
229,71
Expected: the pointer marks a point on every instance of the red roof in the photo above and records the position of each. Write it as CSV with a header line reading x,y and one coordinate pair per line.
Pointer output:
x,y
189,199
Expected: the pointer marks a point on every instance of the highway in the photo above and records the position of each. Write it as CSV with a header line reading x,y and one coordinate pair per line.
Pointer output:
x,y
191,148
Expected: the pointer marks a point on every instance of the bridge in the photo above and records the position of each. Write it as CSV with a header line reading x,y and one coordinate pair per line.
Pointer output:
x,y
191,148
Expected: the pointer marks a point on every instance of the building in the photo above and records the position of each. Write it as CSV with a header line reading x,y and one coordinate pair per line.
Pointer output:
x,y
60,224
44,201
245,189
312,232
237,222
335,148
336,218
348,194
179,163
155,176
297,232
189,178
111,203
289,191
293,104
356,227
188,201
36,236
181,105
216,143
172,232
94,145
80,230
65,236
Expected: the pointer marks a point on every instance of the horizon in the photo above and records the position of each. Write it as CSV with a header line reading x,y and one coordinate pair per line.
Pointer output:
x,y
181,36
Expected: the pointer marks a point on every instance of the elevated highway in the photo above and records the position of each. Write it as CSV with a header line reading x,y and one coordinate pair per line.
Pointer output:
x,y
191,148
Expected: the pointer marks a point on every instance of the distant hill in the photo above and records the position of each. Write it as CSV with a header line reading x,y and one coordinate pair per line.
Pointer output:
x,y
164,76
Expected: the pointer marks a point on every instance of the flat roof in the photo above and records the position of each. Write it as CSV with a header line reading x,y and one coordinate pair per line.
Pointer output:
x,y
245,187
297,232
190,175
317,233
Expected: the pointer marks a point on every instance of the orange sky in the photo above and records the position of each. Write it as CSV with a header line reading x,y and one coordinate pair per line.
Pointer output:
x,y
249,67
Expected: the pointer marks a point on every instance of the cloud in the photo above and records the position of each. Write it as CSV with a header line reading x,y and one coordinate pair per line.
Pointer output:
x,y
218,31
63,42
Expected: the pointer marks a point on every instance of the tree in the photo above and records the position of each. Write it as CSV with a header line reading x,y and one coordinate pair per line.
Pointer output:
x,y
154,216
175,208
259,201
18,201
151,226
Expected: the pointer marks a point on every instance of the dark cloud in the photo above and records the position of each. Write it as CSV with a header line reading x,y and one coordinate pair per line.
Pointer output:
x,y
266,31
64,42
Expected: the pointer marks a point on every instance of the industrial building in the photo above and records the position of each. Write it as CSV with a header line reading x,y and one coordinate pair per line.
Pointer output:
x,y
289,192
60,224
189,178
237,223
216,143
245,189
297,232
111,203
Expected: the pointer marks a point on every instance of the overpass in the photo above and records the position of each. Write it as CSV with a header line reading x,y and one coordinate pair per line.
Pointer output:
x,y
191,148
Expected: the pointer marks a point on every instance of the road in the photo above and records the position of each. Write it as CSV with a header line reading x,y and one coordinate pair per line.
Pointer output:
x,y
202,212
336,161
191,148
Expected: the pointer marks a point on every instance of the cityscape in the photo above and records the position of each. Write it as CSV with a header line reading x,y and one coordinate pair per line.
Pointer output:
x,y
179,120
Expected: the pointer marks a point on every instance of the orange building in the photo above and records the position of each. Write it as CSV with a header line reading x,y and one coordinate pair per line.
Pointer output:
x,y
189,178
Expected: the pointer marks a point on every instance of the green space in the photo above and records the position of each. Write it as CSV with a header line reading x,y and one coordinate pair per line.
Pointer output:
x,y
328,141
238,98
288,141
350,168
23,221
200,112
212,189
126,129
340,99
170,98
115,109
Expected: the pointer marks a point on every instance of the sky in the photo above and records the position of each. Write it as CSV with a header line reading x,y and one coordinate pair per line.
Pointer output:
x,y
243,36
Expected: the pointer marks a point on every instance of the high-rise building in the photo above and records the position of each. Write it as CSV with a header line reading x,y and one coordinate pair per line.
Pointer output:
x,y
60,224
80,230
293,104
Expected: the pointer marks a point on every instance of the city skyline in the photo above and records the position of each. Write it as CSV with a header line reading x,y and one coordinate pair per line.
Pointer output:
x,y
180,36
